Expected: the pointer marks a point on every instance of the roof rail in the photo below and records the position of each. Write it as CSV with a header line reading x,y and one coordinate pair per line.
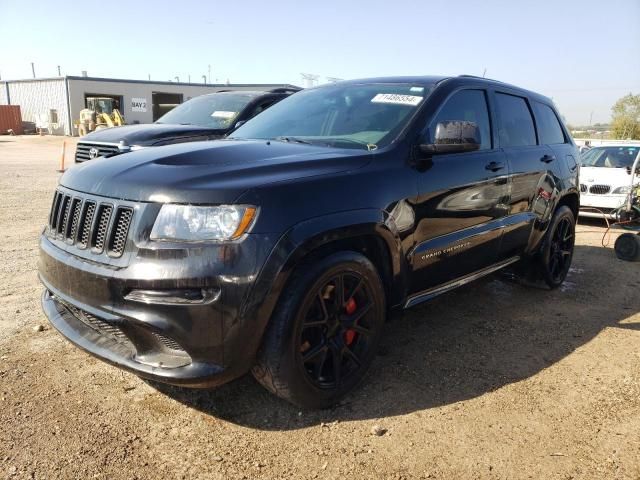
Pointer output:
x,y
481,78
285,90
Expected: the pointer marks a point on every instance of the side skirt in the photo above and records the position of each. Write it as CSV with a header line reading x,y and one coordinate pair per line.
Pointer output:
x,y
434,292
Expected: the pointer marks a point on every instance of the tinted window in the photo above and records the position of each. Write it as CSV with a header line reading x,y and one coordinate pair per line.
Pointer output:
x,y
549,127
516,125
468,105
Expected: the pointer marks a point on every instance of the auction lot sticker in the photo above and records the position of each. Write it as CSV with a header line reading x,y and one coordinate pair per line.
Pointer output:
x,y
223,114
397,99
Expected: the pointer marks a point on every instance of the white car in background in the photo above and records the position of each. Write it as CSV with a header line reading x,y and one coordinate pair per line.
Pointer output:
x,y
606,178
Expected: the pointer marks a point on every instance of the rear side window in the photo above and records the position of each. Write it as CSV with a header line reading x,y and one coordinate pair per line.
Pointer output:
x,y
516,125
549,127
467,105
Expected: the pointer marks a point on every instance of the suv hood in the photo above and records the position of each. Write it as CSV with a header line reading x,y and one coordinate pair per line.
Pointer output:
x,y
149,134
207,172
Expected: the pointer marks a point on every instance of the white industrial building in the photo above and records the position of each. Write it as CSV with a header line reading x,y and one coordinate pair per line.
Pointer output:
x,y
56,102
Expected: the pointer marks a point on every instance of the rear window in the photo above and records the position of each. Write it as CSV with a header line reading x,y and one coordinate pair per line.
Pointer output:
x,y
516,125
549,127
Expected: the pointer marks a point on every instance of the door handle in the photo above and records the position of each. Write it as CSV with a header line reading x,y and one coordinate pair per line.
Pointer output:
x,y
494,166
547,158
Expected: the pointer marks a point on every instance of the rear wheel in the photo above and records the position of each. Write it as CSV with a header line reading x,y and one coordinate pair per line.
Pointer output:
x,y
554,258
324,333
627,247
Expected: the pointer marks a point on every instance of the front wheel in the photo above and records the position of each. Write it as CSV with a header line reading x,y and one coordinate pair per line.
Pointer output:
x,y
324,332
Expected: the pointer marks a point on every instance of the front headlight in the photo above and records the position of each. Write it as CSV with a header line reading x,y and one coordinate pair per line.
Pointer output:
x,y
622,190
194,223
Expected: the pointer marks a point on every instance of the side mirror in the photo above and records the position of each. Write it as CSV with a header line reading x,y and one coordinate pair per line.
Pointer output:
x,y
454,136
239,124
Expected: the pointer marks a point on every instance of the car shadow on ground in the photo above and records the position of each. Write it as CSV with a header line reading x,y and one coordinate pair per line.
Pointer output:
x,y
459,346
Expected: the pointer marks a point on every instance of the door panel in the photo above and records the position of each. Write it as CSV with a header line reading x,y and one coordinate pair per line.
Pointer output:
x,y
458,214
531,190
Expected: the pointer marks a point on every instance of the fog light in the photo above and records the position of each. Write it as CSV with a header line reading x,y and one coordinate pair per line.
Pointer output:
x,y
178,296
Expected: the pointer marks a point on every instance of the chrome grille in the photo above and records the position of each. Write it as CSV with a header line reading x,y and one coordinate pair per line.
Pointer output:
x,y
83,151
64,212
583,188
72,228
55,208
599,189
120,232
100,233
90,223
87,219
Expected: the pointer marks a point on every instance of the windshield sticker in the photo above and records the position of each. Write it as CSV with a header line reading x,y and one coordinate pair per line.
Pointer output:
x,y
417,89
396,99
223,114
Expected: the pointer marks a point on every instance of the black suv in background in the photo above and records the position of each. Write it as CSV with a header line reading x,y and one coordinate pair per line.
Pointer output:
x,y
282,249
206,117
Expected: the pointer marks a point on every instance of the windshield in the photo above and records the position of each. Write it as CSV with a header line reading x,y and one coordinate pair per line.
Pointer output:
x,y
350,116
610,157
213,111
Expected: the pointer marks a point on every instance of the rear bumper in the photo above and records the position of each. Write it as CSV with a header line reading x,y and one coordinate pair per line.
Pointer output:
x,y
196,345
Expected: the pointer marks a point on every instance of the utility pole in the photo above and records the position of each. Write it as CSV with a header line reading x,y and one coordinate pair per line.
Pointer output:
x,y
177,79
209,77
485,72
189,78
204,79
590,118
149,76
59,74
33,70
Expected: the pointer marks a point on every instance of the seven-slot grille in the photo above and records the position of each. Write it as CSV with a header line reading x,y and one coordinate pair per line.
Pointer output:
x,y
88,151
87,223
599,189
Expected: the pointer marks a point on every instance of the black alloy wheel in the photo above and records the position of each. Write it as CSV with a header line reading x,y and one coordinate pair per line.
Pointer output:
x,y
557,249
336,329
324,332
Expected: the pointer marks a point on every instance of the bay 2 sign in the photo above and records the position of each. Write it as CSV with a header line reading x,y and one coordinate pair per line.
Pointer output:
x,y
138,104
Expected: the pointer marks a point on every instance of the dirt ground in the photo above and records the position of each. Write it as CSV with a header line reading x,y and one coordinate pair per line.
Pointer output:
x,y
494,380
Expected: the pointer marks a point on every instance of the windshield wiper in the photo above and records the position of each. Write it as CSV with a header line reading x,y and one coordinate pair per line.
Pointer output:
x,y
291,139
350,141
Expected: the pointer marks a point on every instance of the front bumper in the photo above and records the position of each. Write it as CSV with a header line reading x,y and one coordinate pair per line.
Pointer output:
x,y
196,345
596,206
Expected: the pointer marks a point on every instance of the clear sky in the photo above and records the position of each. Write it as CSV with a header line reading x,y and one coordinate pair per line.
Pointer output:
x,y
583,53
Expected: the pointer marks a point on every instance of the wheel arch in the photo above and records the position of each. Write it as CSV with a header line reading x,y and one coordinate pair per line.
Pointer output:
x,y
363,231
571,200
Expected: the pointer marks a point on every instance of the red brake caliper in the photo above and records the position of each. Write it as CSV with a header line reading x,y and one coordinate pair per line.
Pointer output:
x,y
350,308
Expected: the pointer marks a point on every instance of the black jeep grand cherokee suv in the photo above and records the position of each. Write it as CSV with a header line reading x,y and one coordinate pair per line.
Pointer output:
x,y
282,249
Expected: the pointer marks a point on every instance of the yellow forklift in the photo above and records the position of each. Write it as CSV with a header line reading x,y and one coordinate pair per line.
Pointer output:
x,y
101,112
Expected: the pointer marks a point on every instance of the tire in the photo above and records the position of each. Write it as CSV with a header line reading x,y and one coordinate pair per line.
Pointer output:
x,y
313,330
627,247
555,255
